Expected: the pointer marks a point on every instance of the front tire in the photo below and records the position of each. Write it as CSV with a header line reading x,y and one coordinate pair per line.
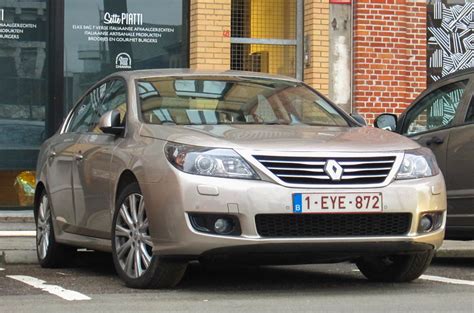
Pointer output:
x,y
50,253
132,248
396,268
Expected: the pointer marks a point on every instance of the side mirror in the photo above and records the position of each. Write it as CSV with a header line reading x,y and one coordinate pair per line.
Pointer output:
x,y
110,123
386,121
359,118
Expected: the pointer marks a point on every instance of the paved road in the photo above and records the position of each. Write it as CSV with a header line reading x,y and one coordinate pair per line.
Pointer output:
x,y
309,288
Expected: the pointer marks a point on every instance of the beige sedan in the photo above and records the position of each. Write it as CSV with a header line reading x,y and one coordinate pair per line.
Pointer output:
x,y
166,167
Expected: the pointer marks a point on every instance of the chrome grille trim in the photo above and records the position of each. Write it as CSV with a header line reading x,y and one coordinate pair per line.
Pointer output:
x,y
354,170
306,170
344,163
294,162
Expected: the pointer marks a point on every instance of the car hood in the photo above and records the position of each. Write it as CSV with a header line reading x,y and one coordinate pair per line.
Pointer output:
x,y
282,137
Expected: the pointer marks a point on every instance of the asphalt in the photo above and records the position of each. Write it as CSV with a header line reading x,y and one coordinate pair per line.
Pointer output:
x,y
310,288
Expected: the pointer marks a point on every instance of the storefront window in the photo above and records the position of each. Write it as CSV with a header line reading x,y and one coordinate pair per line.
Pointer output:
x,y
105,36
264,37
23,95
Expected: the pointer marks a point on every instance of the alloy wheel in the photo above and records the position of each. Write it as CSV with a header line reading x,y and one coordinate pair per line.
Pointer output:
x,y
43,227
133,246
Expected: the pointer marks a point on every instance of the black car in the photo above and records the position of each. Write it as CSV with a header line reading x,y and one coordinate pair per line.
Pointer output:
x,y
442,118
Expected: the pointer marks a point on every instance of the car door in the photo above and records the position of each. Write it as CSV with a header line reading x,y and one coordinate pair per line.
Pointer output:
x,y
429,121
460,168
58,179
92,187
60,163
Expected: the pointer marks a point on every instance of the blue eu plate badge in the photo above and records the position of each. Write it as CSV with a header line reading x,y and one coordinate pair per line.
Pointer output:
x,y
297,203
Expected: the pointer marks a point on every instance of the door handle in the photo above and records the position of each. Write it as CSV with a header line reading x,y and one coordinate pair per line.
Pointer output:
x,y
434,140
52,155
79,157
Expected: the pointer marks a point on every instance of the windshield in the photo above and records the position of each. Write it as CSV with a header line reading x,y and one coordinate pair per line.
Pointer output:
x,y
216,100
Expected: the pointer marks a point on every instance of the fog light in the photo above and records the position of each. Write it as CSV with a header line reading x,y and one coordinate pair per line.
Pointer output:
x,y
426,223
223,226
216,224
430,222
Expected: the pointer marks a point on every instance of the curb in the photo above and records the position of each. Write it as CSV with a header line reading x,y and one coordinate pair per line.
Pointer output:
x,y
17,217
18,257
18,249
456,249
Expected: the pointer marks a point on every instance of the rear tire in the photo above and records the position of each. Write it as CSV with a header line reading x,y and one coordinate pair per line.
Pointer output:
x,y
132,246
50,253
396,268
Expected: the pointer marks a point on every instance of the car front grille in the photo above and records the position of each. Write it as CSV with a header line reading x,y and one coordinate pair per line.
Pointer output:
x,y
332,225
311,171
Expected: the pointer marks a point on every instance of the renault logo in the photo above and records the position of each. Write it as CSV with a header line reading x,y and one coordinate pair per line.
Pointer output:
x,y
333,169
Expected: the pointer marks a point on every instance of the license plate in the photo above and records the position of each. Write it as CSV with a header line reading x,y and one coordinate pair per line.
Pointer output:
x,y
370,202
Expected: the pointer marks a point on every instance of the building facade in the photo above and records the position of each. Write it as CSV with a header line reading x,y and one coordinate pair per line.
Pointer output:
x,y
367,56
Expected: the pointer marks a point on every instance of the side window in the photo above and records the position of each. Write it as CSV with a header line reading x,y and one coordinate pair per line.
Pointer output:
x,y
436,110
83,116
470,112
115,98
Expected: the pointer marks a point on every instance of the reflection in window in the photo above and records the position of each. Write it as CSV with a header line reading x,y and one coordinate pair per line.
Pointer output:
x,y
195,88
203,101
436,110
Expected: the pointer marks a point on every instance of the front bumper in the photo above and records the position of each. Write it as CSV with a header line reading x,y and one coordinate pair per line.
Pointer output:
x,y
168,206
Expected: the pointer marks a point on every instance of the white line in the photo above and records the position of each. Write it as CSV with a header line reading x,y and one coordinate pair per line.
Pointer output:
x,y
17,233
447,280
69,295
1,269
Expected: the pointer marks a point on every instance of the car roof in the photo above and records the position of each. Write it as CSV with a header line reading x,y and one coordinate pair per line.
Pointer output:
x,y
143,74
457,73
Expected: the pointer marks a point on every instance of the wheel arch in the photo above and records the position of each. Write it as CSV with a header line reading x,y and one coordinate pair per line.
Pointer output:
x,y
126,177
40,187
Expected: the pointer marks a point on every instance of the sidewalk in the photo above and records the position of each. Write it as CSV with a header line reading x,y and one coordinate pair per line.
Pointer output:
x,y
17,240
17,237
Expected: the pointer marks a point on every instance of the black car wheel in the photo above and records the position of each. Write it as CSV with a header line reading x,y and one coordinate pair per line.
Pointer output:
x,y
396,268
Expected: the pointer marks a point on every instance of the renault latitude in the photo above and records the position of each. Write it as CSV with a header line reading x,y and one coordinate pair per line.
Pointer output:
x,y
164,167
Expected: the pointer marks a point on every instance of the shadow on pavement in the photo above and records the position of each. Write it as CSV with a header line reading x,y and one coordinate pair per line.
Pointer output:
x,y
219,278
455,262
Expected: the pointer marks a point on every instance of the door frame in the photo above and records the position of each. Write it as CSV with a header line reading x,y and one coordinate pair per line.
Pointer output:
x,y
457,118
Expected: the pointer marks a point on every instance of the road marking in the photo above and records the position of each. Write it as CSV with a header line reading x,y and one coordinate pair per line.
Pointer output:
x,y
447,280
1,269
17,233
69,295
442,279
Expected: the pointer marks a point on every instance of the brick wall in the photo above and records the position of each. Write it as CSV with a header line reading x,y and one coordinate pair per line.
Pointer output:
x,y
316,27
209,34
389,55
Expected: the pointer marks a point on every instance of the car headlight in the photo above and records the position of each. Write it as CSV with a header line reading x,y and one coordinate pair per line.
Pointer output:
x,y
418,163
208,161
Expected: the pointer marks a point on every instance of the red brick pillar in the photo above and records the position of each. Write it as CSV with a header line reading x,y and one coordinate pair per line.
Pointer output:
x,y
389,55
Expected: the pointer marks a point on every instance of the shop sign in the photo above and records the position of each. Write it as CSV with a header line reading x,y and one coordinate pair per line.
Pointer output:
x,y
13,31
123,19
123,28
123,61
